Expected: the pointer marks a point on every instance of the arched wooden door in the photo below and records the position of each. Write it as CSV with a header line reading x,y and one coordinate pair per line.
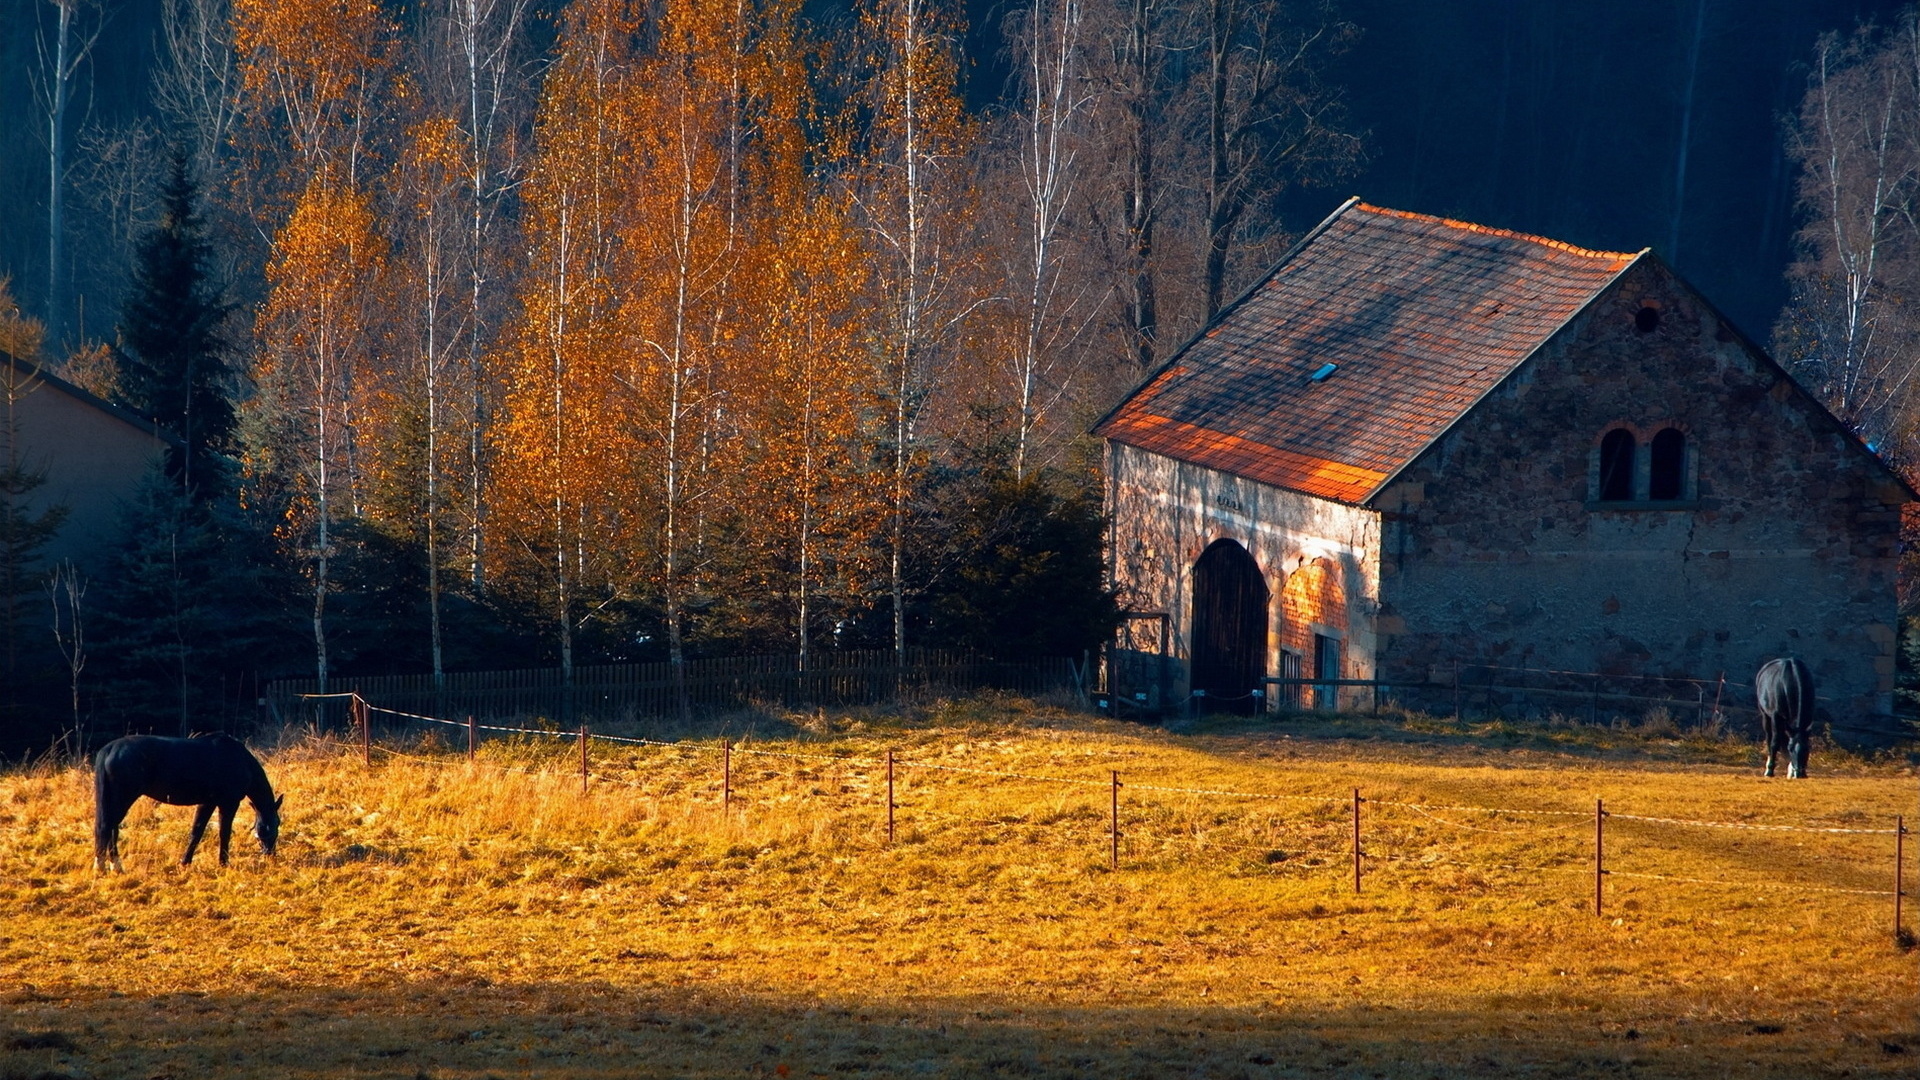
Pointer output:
x,y
1229,628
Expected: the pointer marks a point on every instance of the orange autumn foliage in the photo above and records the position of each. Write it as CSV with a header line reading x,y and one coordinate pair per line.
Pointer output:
x,y
561,495
688,384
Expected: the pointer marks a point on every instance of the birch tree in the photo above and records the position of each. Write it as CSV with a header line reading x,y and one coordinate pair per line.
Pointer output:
x,y
808,507
67,590
61,60
196,82
429,209
1056,291
1848,330
314,331
557,474
682,244
314,73
1128,61
913,209
478,45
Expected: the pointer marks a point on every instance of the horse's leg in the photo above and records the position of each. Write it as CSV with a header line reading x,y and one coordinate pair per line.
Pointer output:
x,y
107,815
118,815
102,831
227,811
201,815
1773,743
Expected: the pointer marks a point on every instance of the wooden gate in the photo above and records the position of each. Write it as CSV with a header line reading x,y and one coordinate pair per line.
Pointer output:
x,y
1229,643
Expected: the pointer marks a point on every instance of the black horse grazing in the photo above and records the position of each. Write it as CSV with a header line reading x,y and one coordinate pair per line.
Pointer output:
x,y
213,772
1784,690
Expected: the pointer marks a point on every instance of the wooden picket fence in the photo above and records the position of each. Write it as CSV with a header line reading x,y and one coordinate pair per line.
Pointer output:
x,y
627,692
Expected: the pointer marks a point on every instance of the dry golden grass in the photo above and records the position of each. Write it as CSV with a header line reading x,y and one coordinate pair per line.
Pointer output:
x,y
431,918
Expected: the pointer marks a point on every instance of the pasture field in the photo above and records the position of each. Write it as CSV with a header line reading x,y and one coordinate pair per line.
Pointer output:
x,y
428,917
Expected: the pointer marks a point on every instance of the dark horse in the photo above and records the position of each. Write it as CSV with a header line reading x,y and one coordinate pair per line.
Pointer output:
x,y
1784,690
212,772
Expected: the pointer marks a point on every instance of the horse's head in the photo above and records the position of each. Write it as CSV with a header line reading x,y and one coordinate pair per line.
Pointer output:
x,y
266,828
1797,740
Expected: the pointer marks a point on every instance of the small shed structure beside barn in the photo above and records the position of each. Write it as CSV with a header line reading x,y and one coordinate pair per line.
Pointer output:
x,y
1421,445
93,453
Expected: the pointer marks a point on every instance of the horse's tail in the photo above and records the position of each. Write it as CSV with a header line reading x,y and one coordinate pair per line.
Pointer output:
x,y
1800,692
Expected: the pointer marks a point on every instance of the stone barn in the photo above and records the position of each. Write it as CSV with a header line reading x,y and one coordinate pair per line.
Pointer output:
x,y
1420,446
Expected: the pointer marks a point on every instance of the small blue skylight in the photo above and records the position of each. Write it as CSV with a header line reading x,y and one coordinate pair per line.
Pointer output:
x,y
1325,370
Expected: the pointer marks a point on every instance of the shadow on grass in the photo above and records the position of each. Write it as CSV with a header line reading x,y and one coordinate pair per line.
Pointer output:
x,y
1647,743
457,1029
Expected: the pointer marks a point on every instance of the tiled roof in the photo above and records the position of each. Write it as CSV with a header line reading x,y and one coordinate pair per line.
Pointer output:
x,y
1421,316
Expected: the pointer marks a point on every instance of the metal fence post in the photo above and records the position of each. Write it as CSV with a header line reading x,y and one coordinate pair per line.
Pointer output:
x,y
1599,850
1356,839
1114,822
1899,877
473,737
366,730
890,802
583,759
726,776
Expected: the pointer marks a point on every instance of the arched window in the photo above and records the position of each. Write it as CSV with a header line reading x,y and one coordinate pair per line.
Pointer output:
x,y
1667,466
1616,466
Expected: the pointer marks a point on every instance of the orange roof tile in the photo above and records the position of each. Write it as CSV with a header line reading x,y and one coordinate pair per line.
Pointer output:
x,y
1422,316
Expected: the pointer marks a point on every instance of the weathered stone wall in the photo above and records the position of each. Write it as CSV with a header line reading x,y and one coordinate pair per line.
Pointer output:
x,y
1497,550
1166,512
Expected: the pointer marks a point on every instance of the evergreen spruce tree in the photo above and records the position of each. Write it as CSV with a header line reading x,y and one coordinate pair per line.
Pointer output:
x,y
1018,572
198,611
174,366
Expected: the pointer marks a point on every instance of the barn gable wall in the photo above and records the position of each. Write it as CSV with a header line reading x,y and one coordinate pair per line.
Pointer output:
x,y
94,462
1495,550
1166,512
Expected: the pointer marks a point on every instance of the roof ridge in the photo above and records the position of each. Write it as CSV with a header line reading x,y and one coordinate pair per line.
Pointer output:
x,y
34,369
1488,230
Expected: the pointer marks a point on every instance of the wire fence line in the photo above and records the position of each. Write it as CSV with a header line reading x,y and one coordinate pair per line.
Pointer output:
x,y
1770,885
911,763
1427,813
1748,825
1497,691
610,693
1384,854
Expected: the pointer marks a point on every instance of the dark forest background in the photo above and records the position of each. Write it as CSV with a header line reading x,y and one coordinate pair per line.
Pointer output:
x,y
1563,119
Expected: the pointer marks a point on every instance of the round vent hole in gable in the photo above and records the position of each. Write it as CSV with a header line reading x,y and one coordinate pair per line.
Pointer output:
x,y
1647,319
